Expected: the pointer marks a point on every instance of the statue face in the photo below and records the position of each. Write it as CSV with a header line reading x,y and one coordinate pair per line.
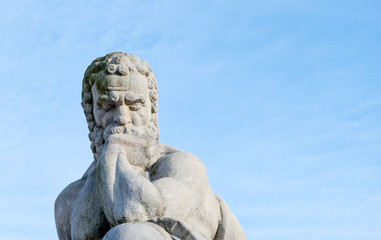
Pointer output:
x,y
121,101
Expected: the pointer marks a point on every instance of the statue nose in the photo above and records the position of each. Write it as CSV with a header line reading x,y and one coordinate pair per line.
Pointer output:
x,y
122,116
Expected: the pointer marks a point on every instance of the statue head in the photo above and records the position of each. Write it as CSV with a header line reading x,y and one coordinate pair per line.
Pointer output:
x,y
119,96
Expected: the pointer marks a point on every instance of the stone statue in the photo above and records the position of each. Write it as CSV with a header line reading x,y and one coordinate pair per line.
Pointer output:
x,y
136,188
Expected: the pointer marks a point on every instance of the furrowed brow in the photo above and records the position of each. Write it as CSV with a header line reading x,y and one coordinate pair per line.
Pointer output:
x,y
133,98
104,98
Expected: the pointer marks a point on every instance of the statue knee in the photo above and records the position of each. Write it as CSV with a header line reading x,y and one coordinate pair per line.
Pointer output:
x,y
137,231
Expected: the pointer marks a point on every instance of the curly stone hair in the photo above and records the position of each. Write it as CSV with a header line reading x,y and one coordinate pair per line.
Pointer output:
x,y
106,65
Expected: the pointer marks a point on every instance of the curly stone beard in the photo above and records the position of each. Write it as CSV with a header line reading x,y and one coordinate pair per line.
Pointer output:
x,y
140,143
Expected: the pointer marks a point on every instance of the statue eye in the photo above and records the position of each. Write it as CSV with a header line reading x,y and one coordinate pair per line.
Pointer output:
x,y
107,106
135,106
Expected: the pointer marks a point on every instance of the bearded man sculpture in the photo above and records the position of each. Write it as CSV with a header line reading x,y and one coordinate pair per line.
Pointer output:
x,y
136,188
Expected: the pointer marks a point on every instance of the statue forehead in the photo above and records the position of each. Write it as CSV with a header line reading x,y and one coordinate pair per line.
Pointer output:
x,y
111,82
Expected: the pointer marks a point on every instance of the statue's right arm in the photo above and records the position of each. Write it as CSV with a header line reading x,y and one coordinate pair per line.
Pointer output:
x,y
125,194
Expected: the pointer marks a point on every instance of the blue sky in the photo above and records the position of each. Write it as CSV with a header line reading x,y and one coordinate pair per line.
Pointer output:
x,y
279,99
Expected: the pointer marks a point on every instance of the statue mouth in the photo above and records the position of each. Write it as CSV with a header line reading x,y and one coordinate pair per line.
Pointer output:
x,y
129,129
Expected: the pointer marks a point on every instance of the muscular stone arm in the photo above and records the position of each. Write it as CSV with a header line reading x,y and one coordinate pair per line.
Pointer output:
x,y
182,182
177,186
126,195
63,208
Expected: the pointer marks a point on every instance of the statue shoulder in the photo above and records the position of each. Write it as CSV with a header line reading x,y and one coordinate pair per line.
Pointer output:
x,y
63,207
180,165
92,166
71,192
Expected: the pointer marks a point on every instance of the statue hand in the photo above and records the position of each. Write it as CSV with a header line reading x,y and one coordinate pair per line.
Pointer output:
x,y
125,195
114,150
140,152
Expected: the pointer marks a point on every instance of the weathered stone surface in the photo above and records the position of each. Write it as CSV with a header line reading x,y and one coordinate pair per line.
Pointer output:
x,y
137,188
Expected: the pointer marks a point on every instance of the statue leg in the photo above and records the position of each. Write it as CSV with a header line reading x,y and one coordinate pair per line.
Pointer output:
x,y
137,231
